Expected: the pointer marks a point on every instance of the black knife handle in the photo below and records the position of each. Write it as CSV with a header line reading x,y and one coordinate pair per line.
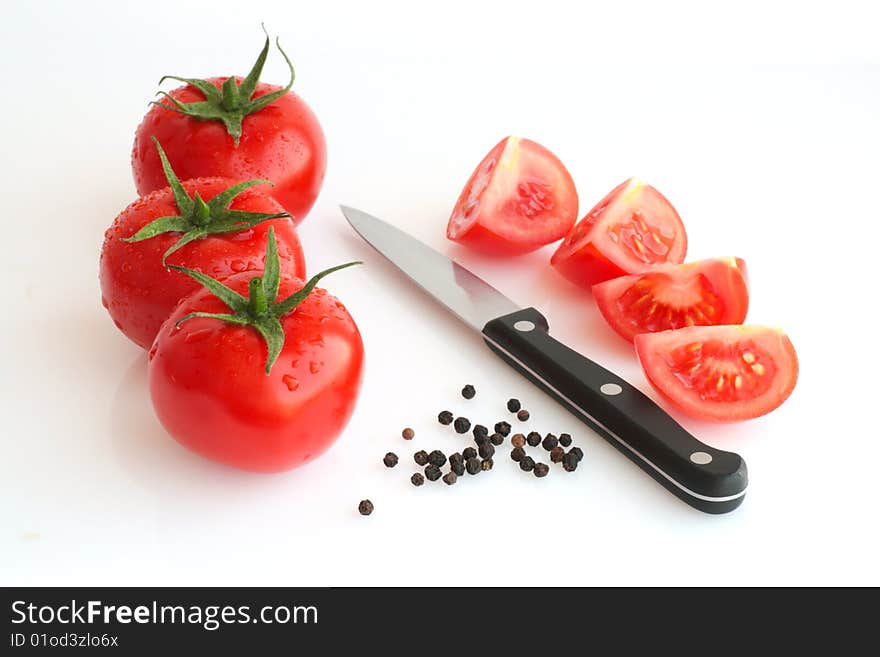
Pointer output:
x,y
708,479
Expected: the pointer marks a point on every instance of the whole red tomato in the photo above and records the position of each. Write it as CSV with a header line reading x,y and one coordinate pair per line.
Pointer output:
x,y
138,290
281,141
233,389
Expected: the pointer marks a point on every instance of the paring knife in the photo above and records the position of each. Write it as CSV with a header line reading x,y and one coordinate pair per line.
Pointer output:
x,y
708,479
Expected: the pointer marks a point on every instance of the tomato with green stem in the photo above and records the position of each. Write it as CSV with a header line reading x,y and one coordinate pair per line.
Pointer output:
x,y
215,225
258,372
702,293
632,230
237,128
720,373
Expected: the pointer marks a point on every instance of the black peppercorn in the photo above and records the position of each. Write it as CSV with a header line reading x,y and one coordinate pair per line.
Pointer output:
x,y
517,453
487,464
432,472
456,464
565,439
578,452
408,434
550,441
496,439
445,417
468,392
533,439
437,458
513,405
526,463
481,440
421,457
486,451
473,466
541,469
480,430
450,478
523,415
570,462
556,454
390,460
518,440
503,428
468,453
417,479
365,508
462,424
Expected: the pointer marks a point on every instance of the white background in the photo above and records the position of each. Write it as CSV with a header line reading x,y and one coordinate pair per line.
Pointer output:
x,y
761,122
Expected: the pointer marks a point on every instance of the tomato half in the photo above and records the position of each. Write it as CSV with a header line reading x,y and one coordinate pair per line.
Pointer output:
x,y
632,230
519,198
707,292
212,394
140,293
722,373
283,142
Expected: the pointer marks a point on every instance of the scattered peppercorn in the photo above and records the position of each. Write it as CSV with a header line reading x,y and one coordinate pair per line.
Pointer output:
x,y
417,479
473,466
523,415
518,440
527,464
408,434
541,469
468,453
533,439
556,454
550,441
365,508
481,440
462,424
513,405
456,463
450,478
578,452
496,439
486,451
445,417
421,457
432,472
570,462
517,454
437,458
503,428
565,439
468,392
390,460
487,464
480,430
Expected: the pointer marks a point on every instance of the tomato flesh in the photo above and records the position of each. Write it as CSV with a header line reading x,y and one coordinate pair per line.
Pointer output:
x,y
632,230
140,293
283,142
211,393
721,373
518,199
702,293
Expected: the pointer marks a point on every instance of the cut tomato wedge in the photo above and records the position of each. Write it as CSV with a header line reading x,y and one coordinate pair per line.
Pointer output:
x,y
721,373
520,198
632,230
702,293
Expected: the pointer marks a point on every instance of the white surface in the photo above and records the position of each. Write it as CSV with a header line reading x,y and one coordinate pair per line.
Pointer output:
x,y
761,124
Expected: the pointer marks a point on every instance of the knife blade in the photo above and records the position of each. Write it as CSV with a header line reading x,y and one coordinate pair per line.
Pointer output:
x,y
708,479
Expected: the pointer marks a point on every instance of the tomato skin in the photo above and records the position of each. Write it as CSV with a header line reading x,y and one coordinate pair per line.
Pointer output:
x,y
139,293
519,198
632,230
706,292
211,393
683,365
283,142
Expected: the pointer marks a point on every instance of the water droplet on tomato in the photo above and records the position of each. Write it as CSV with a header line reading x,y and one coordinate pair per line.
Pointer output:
x,y
238,266
196,336
291,383
126,267
314,367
